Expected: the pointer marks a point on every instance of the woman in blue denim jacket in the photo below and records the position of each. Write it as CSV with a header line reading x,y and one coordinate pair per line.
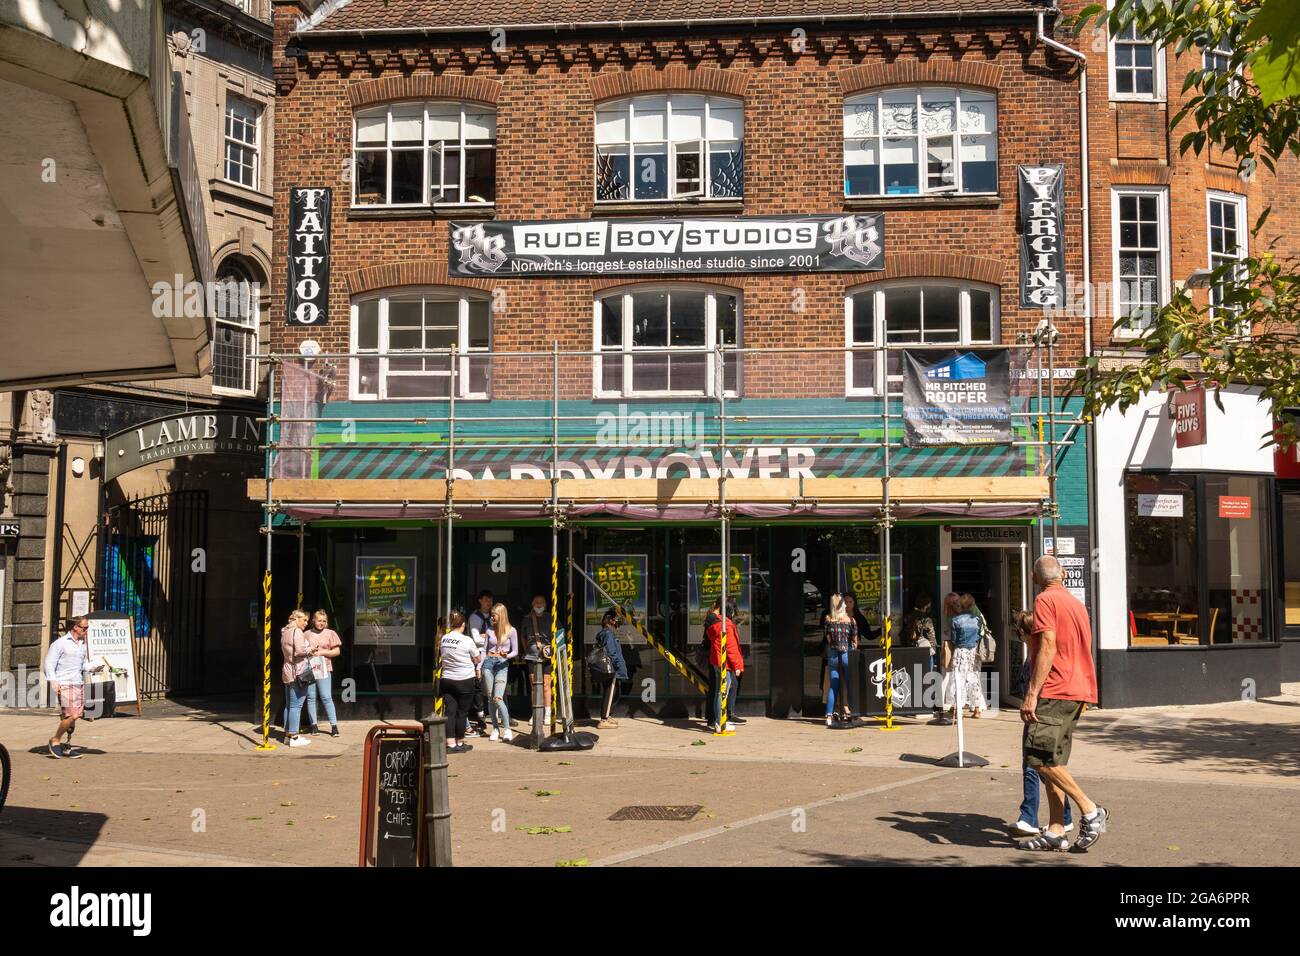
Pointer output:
x,y
964,636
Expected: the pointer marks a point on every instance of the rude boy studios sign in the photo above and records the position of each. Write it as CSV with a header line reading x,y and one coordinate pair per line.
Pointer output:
x,y
308,292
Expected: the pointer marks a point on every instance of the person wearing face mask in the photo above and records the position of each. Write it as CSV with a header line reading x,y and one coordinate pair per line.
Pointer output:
x,y
537,647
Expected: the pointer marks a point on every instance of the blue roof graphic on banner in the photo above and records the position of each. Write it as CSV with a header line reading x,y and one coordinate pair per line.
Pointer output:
x,y
959,368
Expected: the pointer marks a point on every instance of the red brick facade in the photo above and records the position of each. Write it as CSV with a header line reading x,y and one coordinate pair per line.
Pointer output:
x,y
545,87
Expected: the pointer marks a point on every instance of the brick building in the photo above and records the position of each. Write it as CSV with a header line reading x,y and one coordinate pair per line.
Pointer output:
x,y
1198,591
592,405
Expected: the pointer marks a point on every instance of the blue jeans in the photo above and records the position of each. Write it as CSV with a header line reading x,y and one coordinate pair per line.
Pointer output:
x,y
496,672
295,695
1029,805
321,688
837,666
722,685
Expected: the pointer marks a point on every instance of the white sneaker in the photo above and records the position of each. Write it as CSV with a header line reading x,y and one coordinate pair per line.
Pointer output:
x,y
508,736
299,742
496,735
1027,829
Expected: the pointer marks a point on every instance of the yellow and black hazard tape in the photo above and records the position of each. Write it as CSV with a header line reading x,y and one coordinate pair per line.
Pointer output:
x,y
667,655
266,664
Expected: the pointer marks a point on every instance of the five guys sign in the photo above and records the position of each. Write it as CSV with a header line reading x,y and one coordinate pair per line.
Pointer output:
x,y
1042,239
307,294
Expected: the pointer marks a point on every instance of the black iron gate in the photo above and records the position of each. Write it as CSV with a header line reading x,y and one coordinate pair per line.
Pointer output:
x,y
155,569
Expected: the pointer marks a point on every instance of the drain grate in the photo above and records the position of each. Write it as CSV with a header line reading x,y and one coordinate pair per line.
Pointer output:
x,y
678,814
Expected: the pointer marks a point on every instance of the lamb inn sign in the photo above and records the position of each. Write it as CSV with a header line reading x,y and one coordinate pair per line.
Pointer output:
x,y
175,436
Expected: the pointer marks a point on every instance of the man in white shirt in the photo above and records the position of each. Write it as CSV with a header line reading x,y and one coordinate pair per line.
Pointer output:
x,y
66,667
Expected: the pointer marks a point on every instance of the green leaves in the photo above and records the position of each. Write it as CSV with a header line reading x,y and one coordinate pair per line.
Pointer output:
x,y
535,831
1276,63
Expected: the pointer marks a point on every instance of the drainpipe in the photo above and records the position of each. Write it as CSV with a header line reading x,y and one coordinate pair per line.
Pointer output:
x,y
1087,322
1083,174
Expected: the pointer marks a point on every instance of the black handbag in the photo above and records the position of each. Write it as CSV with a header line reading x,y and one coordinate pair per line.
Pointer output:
x,y
599,662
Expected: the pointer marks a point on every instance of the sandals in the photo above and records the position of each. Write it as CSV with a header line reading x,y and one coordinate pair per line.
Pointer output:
x,y
1046,841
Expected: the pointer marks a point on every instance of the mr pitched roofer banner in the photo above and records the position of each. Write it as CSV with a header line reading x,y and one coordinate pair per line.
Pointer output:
x,y
307,296
632,247
1042,236
956,397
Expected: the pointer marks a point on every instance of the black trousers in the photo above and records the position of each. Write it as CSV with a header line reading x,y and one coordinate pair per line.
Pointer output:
x,y
456,698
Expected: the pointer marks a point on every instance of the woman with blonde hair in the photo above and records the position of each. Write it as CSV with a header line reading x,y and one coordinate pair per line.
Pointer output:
x,y
295,673
841,637
501,646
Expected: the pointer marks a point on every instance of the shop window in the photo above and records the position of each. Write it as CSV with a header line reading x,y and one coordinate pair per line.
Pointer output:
x,y
1291,559
420,154
1136,71
933,312
1227,235
242,138
391,333
1141,256
927,141
660,341
234,339
678,146
1197,559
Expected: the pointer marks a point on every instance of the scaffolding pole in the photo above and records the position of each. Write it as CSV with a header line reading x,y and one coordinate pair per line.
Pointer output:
x,y
720,383
266,576
886,521
301,548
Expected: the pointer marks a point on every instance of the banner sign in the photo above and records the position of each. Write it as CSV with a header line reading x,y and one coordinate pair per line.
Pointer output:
x,y
859,575
1042,235
109,641
633,247
1188,412
623,576
704,586
195,433
385,602
307,296
956,398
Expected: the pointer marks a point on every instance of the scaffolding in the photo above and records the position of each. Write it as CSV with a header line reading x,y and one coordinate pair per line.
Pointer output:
x,y
486,405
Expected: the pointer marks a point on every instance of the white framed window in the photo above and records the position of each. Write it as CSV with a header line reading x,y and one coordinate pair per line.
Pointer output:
x,y
921,141
1140,260
934,312
682,325
235,327
422,154
1226,230
670,147
395,327
1136,66
243,131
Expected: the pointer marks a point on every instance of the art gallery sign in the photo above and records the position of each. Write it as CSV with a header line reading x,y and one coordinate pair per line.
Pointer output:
x,y
175,436
668,246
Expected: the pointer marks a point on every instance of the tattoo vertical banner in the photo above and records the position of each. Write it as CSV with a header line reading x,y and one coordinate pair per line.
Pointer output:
x,y
1042,235
307,294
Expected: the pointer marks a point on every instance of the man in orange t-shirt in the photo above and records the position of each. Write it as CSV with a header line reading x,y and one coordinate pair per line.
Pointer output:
x,y
1062,683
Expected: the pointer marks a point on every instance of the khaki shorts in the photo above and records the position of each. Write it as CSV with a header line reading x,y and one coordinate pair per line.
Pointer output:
x,y
1047,743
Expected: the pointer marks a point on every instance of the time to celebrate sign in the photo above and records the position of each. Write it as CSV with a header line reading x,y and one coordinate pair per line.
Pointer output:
x,y
669,246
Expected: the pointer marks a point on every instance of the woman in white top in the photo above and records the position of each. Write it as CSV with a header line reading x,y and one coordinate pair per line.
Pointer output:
x,y
460,664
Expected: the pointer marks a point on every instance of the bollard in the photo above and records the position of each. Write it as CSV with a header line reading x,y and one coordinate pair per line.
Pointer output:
x,y
437,806
537,679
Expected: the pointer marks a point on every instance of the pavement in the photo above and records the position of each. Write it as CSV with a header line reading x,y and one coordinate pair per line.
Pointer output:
x,y
1197,785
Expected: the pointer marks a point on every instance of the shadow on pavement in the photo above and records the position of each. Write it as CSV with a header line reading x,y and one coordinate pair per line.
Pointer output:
x,y
957,829
1239,745
22,829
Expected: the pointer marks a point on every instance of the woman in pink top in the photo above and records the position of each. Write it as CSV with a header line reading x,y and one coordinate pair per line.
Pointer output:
x,y
325,643
296,650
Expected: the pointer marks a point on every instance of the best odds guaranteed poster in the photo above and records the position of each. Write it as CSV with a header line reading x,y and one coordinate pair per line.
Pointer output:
x,y
385,602
859,575
704,586
623,576
960,397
